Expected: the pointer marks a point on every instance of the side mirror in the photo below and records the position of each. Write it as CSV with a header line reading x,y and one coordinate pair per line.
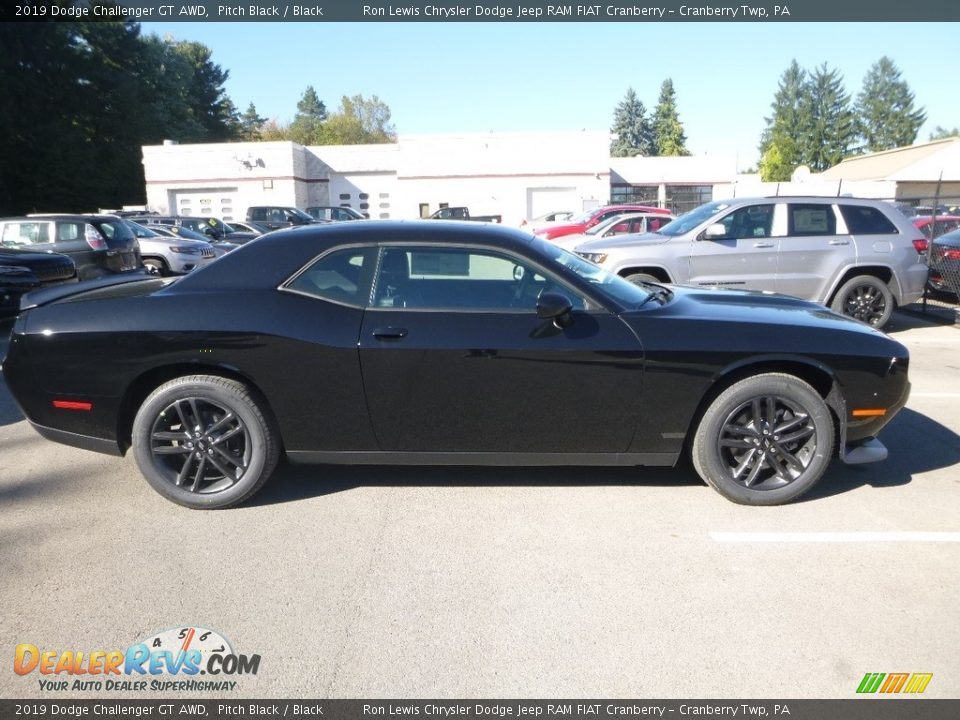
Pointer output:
x,y
717,231
555,306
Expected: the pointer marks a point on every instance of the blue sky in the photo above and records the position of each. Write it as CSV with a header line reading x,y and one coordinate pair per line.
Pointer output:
x,y
467,77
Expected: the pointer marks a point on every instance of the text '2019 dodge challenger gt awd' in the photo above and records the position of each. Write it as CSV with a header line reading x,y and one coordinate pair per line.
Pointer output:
x,y
456,343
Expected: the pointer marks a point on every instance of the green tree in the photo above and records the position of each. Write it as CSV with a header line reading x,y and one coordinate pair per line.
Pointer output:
x,y
634,133
359,121
669,136
307,126
780,149
833,125
942,133
885,109
251,124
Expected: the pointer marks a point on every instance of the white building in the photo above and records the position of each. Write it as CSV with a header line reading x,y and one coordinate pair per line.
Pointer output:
x,y
516,175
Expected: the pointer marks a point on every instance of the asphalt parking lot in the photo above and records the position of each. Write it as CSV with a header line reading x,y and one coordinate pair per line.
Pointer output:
x,y
464,582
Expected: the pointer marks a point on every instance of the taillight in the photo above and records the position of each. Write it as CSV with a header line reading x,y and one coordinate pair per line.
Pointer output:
x,y
93,238
951,254
921,245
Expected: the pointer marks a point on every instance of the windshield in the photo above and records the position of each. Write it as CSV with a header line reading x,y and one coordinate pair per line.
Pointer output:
x,y
605,224
585,216
139,231
624,292
300,214
114,229
688,221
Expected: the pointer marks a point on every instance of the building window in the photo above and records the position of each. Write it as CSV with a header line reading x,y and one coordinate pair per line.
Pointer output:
x,y
621,194
384,196
364,206
344,196
363,196
384,216
684,198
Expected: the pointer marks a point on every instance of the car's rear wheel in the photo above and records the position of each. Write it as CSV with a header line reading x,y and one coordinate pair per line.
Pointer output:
x,y
205,442
865,298
765,440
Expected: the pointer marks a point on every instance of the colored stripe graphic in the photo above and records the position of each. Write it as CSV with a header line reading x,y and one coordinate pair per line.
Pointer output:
x,y
870,682
895,681
918,682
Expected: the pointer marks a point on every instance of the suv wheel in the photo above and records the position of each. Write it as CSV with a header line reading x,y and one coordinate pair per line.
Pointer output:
x,y
156,265
865,298
640,278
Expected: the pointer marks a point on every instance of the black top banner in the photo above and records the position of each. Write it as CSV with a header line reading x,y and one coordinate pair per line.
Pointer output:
x,y
484,11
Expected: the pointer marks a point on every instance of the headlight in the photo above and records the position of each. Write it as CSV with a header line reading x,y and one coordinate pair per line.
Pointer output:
x,y
14,270
185,250
595,258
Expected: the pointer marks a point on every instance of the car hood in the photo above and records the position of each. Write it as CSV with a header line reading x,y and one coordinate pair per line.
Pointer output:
x,y
623,241
13,256
165,242
758,312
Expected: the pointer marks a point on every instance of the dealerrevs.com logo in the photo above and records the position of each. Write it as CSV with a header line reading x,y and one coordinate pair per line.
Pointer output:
x,y
171,660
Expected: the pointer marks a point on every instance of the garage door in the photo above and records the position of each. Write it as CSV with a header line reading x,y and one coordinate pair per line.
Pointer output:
x,y
209,202
544,200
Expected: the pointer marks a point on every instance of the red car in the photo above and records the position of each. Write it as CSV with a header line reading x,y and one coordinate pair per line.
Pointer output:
x,y
586,220
934,227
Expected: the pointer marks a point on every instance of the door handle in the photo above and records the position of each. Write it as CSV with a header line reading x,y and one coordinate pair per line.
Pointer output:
x,y
763,244
839,242
390,333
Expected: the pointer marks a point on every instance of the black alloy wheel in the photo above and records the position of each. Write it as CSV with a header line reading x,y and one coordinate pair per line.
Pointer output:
x,y
204,446
765,440
865,298
205,441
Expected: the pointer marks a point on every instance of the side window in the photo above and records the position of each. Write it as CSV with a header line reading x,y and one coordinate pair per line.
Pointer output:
x,y
620,228
866,220
341,276
257,214
752,221
452,278
67,231
812,219
26,233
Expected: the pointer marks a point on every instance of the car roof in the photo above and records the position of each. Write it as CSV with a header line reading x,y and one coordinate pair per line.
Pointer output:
x,y
268,260
79,217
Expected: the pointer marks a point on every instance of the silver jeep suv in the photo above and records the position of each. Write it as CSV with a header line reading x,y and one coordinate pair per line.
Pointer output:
x,y
855,256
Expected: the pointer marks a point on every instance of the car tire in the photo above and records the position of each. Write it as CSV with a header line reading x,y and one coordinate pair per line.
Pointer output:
x,y
865,298
229,446
737,449
639,278
158,265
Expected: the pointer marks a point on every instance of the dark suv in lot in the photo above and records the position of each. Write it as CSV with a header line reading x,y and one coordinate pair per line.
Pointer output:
x,y
22,271
276,217
98,244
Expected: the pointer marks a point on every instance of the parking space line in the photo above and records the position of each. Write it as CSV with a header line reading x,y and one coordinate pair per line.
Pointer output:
x,y
834,537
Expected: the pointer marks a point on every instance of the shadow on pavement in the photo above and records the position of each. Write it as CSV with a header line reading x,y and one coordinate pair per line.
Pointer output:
x,y
917,445
301,482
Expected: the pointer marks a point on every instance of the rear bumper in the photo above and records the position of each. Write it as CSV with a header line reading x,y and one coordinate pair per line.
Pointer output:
x,y
84,442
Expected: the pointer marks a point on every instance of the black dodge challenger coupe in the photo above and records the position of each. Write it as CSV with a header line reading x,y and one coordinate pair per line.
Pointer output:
x,y
456,343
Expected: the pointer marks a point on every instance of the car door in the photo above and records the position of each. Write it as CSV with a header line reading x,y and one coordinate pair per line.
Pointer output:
x,y
814,252
745,256
454,358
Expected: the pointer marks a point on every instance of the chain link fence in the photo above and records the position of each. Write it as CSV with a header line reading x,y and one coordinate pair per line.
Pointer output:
x,y
939,221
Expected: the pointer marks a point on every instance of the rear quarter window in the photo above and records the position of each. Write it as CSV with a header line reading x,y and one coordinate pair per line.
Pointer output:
x,y
812,219
866,220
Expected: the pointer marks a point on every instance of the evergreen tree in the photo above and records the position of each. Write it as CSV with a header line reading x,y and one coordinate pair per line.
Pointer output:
x,y
885,109
251,124
307,126
669,136
780,148
833,125
632,128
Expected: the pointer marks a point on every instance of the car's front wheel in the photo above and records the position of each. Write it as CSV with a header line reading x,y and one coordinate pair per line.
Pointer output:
x,y
866,298
204,441
765,440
